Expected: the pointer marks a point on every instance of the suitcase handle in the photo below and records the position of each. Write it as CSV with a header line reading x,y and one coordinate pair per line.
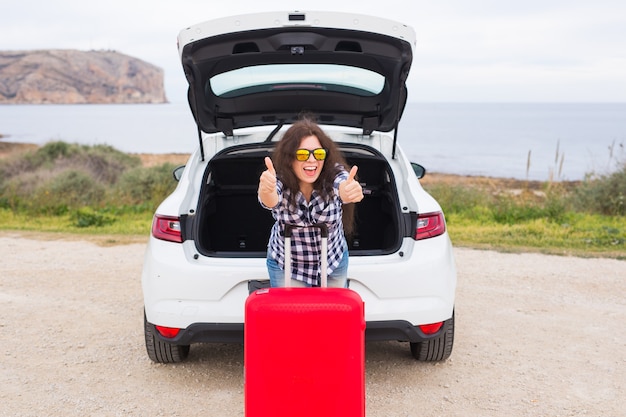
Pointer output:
x,y
324,261
322,226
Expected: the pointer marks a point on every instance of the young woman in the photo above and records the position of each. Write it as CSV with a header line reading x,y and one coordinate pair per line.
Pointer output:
x,y
306,183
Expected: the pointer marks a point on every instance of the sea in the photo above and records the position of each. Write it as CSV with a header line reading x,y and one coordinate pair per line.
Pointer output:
x,y
530,141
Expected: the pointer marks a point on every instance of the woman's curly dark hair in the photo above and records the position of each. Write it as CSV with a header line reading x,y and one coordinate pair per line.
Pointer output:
x,y
284,155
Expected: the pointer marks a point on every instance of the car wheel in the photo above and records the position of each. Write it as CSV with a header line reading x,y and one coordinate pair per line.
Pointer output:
x,y
438,348
162,352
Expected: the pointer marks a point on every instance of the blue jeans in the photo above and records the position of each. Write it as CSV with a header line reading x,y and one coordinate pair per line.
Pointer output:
x,y
339,277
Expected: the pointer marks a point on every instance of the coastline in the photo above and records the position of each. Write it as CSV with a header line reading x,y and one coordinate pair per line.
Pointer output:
x,y
516,140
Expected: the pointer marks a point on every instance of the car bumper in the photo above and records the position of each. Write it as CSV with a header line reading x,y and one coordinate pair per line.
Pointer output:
x,y
399,330
206,296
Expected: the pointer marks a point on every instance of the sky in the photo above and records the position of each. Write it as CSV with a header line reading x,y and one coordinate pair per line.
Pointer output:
x,y
467,50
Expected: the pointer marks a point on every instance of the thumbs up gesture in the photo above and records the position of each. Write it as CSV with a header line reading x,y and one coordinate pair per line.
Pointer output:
x,y
267,184
267,181
350,190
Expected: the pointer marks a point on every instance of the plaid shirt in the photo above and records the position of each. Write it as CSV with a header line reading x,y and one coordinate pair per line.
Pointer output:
x,y
306,241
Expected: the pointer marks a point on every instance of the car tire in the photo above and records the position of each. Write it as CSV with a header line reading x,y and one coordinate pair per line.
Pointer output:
x,y
162,352
438,348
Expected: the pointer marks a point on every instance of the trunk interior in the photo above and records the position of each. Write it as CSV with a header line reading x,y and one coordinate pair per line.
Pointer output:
x,y
231,222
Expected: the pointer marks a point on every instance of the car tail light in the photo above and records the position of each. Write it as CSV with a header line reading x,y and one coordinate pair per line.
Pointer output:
x,y
431,328
167,228
169,332
430,225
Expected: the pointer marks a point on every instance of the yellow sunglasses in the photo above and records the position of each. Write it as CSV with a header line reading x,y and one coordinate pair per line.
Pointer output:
x,y
304,154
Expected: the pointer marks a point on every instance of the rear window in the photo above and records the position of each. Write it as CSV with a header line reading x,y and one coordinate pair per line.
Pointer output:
x,y
281,77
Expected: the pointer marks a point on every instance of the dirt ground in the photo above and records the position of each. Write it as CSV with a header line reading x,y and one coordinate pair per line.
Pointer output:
x,y
536,335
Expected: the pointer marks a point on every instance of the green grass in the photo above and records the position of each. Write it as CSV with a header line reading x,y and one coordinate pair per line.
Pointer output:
x,y
580,235
97,223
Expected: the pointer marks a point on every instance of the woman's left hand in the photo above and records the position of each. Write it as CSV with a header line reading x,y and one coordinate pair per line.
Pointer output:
x,y
350,190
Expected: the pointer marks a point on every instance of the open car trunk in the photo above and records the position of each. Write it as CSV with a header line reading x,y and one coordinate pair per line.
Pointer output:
x,y
230,222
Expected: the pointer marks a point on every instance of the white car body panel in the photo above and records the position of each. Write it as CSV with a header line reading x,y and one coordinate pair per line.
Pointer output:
x,y
410,281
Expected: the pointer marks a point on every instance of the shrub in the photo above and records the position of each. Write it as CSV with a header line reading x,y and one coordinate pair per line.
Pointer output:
x,y
605,194
87,217
145,185
54,150
67,190
458,199
59,176
500,206
102,162
19,191
107,164
507,210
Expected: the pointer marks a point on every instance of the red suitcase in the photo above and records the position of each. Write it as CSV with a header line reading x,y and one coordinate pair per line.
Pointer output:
x,y
304,350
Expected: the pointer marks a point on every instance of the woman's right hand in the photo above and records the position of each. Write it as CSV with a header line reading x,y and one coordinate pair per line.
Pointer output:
x,y
267,185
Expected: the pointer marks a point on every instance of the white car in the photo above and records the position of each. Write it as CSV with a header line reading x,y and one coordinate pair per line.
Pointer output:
x,y
250,77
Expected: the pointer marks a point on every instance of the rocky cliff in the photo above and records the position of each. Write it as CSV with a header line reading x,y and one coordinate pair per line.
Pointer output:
x,y
76,77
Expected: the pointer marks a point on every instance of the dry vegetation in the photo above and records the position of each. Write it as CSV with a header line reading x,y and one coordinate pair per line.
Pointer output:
x,y
11,149
8,149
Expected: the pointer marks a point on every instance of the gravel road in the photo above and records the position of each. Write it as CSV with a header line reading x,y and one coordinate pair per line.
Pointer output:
x,y
536,335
